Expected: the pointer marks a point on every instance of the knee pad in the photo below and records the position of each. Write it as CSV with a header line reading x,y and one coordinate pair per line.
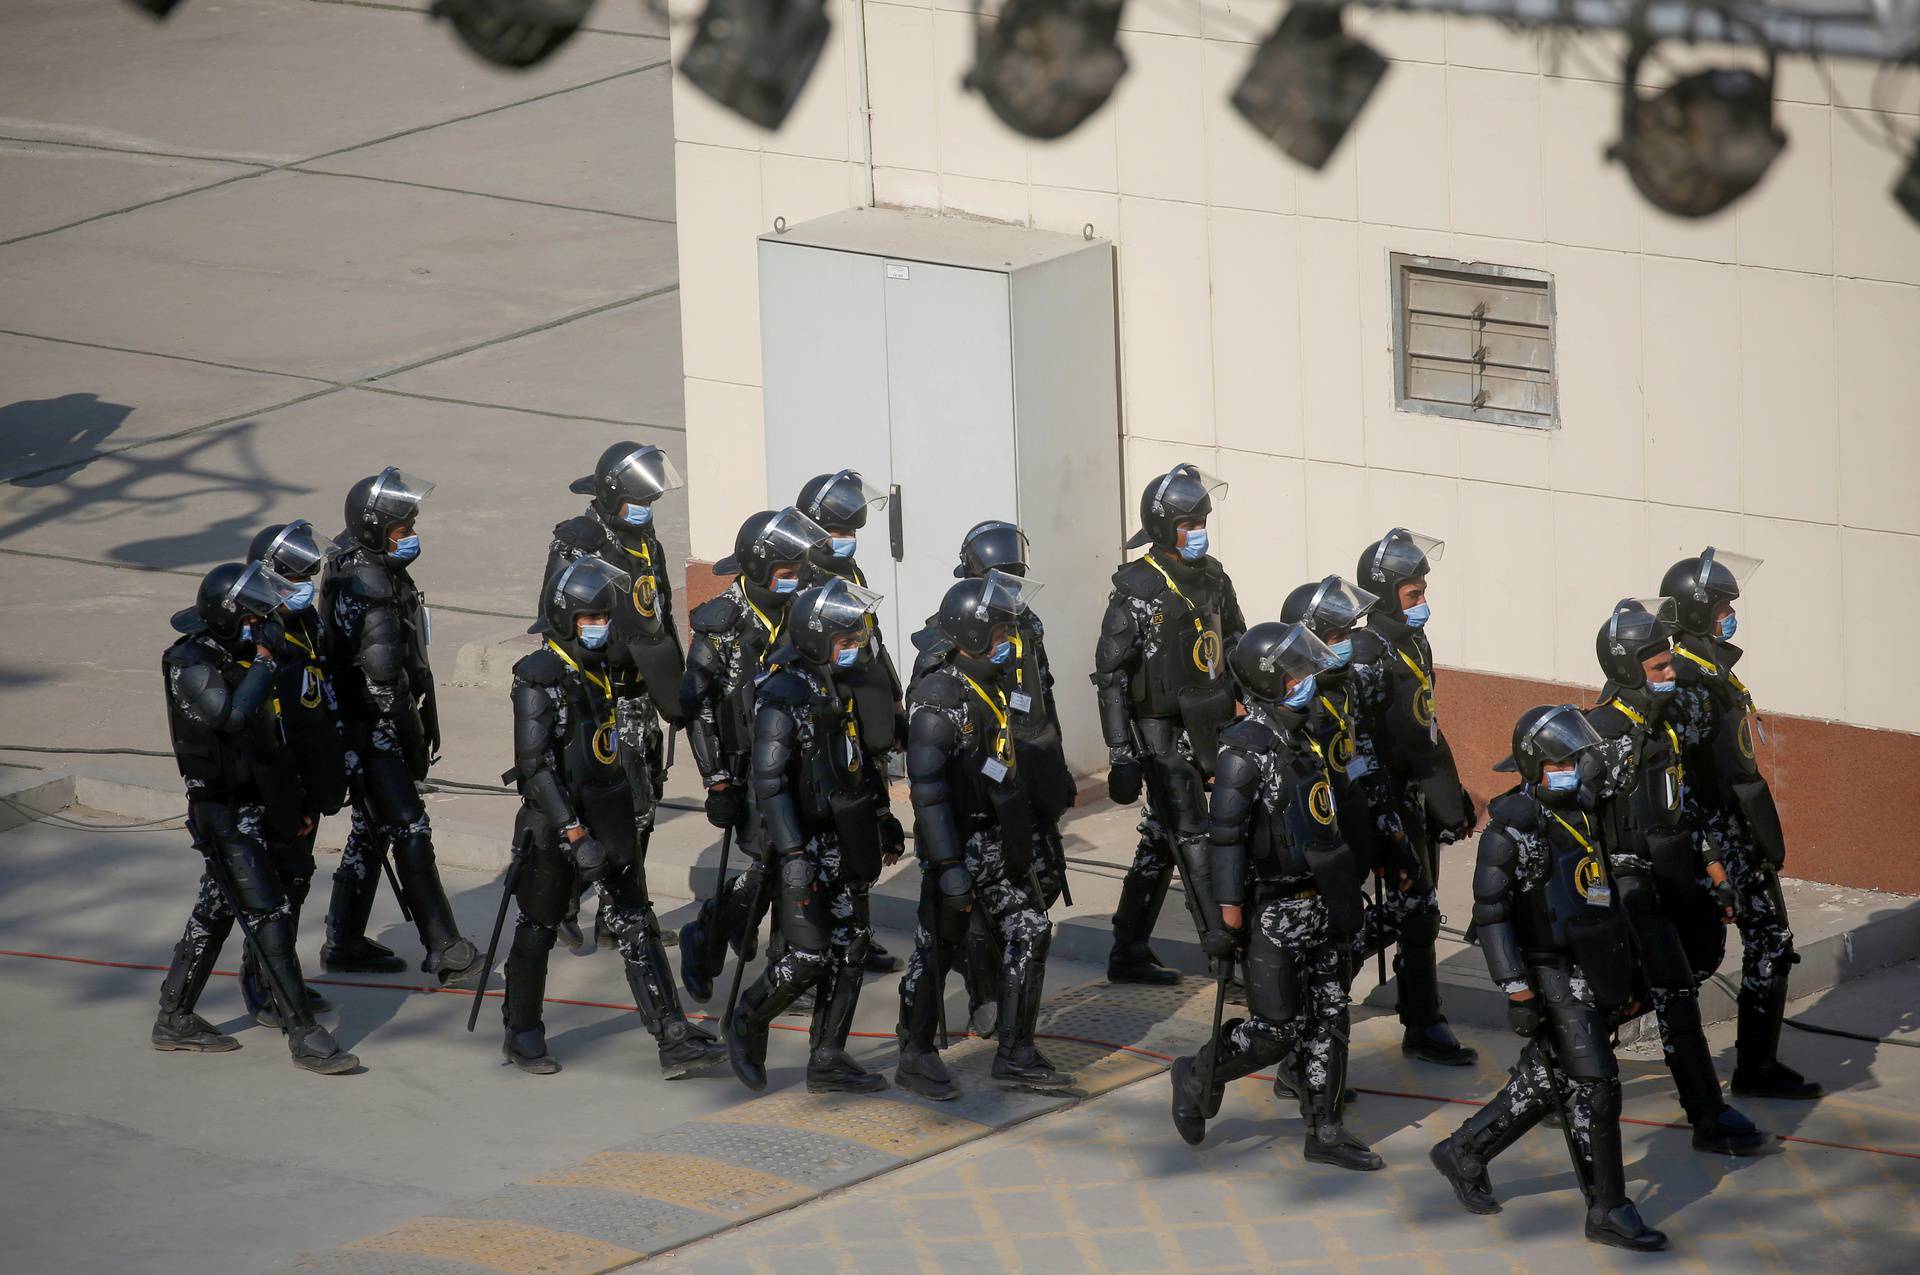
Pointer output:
x,y
1420,929
1682,1012
255,887
532,942
858,948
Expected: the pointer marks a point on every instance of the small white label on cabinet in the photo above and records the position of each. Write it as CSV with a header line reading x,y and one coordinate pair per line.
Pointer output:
x,y
895,270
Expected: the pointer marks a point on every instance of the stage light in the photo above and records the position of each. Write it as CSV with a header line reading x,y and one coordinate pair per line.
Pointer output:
x,y
1044,66
1308,83
1703,141
754,56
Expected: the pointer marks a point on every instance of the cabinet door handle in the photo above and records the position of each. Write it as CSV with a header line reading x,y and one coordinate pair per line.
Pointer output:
x,y
895,530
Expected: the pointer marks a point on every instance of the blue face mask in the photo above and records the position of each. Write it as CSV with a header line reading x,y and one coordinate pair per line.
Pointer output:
x,y
1343,651
843,546
594,636
1417,617
1563,780
786,584
1663,688
637,515
1728,626
1301,695
302,596
407,550
1195,547
846,658
1002,651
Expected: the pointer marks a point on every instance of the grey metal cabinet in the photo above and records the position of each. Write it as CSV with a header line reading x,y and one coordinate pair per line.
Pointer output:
x,y
970,369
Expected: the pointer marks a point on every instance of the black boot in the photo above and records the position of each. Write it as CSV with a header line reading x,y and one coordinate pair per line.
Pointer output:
x,y
314,1049
1463,1158
1467,1175
1622,1227
1727,1132
348,950
1132,960
457,962
747,1039
526,1048
1018,1063
451,957
684,1047
829,1068
921,1071
695,973
187,1032
1435,1043
177,1027
1611,1217
879,960
1417,1001
1329,1141
1758,1071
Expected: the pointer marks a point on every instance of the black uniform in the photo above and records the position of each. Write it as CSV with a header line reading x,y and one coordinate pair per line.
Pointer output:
x,y
571,767
1160,672
379,626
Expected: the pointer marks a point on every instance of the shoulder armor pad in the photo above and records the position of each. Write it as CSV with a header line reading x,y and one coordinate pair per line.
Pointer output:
x,y
582,533
369,580
1137,579
1609,722
1368,646
183,651
541,668
784,687
715,615
1515,809
1254,737
1034,626
939,689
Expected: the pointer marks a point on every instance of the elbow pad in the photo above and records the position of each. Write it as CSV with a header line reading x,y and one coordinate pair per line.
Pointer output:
x,y
251,698
542,789
1116,722
1502,951
930,741
1230,807
382,652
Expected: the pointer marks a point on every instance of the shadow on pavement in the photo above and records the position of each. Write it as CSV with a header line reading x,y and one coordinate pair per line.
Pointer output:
x,y
36,432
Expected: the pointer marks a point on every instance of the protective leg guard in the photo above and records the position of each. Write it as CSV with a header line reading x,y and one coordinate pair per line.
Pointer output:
x,y
526,977
275,937
982,970
697,964
1463,1158
1329,1141
450,956
348,950
1132,959
1758,1071
1427,1036
1018,1062
1611,1217
684,1047
760,1004
829,1068
526,1048
569,928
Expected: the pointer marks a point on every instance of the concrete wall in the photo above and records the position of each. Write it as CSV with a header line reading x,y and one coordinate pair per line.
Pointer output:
x,y
1748,381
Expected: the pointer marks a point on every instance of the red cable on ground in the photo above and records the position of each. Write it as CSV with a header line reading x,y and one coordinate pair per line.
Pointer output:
x,y
792,1027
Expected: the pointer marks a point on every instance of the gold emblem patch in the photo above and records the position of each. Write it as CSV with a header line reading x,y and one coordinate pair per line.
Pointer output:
x,y
1320,802
646,594
1206,651
1343,750
1423,707
1586,874
606,744
1743,737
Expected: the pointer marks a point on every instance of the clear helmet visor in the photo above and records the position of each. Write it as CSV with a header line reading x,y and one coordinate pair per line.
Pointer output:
x,y
1006,596
1299,655
645,474
842,497
1184,489
589,584
1725,573
259,590
790,536
996,544
398,494
1560,735
841,606
1639,622
1401,553
1339,604
299,550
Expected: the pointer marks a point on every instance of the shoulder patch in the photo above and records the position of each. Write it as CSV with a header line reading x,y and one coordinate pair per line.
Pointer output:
x,y
1516,810
715,615
540,668
1255,737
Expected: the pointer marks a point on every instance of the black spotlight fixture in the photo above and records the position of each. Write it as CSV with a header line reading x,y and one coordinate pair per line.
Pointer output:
x,y
513,33
1704,140
1308,83
1044,66
754,56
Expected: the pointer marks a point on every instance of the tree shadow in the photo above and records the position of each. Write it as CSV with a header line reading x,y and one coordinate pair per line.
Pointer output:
x,y
38,432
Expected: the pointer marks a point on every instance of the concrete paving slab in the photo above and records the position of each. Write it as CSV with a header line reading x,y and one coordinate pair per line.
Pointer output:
x,y
260,80
44,185
584,149
385,276
68,403
622,365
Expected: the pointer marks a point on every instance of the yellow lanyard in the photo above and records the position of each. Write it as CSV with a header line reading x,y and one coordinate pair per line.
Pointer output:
x,y
1585,845
1713,670
855,751
310,692
605,739
1198,626
999,711
1426,683
1338,719
1672,736
773,630
643,553
1019,660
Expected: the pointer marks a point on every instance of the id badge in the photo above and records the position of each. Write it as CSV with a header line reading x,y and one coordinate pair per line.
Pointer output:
x,y
993,768
1760,729
1021,702
1600,895
426,625
1359,768
1433,732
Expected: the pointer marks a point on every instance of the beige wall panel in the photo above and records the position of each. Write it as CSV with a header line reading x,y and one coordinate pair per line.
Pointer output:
x,y
900,85
1256,332
1676,532
1787,222
1493,148
1491,45
1877,332
1600,447
1691,353
1589,202
1599,556
1789,392
1263,526
1162,140
1337,523
973,141
1329,305
1870,562
1506,537
717,206
725,435
1429,505
1166,328
1243,168
1396,440
1402,145
979,197
1790,664
1072,211
1873,239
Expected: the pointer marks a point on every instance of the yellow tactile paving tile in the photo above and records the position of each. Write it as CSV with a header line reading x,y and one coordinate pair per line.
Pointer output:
x,y
511,1247
724,1190
898,1128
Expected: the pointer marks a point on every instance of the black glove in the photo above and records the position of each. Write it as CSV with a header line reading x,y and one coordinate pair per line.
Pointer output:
x,y
272,634
1725,897
589,859
893,838
1220,943
1124,777
726,807
1523,1016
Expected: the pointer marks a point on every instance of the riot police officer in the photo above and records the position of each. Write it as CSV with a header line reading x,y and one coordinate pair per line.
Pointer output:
x,y
840,503
1557,944
1732,810
774,556
577,821
310,717
1277,868
1678,927
379,627
1421,804
821,787
975,838
1160,674
644,649
227,740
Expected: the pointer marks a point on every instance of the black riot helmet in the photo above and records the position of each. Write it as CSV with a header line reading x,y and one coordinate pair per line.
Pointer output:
x,y
628,473
1395,558
1638,629
840,499
376,505
229,594
294,549
769,539
585,586
973,609
821,614
994,545
1331,605
1549,733
1185,493
1270,654
1699,585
